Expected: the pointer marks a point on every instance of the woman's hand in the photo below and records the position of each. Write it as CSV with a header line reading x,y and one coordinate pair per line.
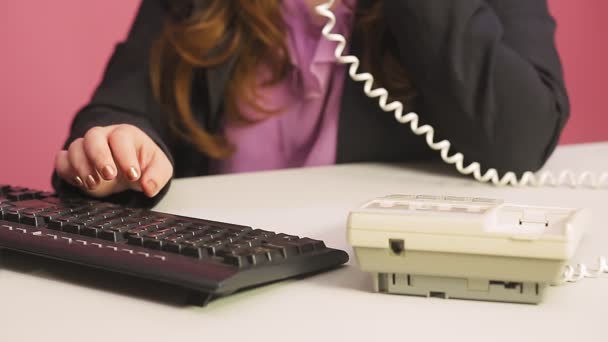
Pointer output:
x,y
113,159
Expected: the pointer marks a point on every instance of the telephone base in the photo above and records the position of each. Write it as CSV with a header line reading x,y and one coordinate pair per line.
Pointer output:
x,y
464,247
459,288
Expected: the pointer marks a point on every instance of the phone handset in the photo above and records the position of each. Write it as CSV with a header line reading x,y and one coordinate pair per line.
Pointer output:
x,y
565,177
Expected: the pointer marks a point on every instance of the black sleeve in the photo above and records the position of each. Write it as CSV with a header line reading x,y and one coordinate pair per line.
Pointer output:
x,y
488,76
124,96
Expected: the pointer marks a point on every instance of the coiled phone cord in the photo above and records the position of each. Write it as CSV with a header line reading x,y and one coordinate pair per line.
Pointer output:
x,y
573,274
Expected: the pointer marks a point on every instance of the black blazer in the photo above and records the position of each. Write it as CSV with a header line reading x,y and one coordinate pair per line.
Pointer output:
x,y
487,73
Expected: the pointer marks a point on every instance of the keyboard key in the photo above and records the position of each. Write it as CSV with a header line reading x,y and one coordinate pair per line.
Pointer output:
x,y
55,225
107,224
84,221
245,256
53,214
214,233
12,216
135,240
285,247
4,207
307,245
110,235
120,228
250,242
33,211
262,233
172,247
213,246
196,240
21,195
235,260
259,255
3,210
83,211
153,243
34,204
176,237
90,231
241,229
139,231
136,235
45,195
238,245
284,237
58,223
195,251
274,254
161,233
71,227
234,236
180,222
103,216
32,220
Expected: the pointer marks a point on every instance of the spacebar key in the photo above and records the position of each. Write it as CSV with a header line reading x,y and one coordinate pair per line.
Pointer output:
x,y
286,248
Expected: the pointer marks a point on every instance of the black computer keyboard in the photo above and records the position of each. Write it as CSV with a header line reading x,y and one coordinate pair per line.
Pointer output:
x,y
211,258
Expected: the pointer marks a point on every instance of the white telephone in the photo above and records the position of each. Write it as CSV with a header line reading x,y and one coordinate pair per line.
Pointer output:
x,y
371,239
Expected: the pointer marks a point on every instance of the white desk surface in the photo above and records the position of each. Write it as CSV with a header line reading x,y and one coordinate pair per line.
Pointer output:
x,y
45,300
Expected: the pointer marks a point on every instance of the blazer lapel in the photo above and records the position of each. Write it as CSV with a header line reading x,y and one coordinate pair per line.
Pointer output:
x,y
217,78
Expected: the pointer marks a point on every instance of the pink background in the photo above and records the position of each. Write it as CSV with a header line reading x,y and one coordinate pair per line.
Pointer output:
x,y
53,53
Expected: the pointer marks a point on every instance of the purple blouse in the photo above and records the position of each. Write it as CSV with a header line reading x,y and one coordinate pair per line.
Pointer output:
x,y
304,132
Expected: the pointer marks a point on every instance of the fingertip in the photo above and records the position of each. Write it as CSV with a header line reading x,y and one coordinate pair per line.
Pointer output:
x,y
91,182
108,172
77,181
150,188
65,171
133,174
156,173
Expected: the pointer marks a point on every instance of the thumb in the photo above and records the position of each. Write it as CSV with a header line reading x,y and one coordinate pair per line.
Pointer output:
x,y
156,169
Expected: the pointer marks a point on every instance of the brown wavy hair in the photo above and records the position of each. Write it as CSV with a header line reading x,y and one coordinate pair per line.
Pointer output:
x,y
206,33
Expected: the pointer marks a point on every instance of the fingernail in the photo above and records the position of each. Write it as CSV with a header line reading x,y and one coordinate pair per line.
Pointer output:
x,y
91,183
78,181
133,175
108,172
152,186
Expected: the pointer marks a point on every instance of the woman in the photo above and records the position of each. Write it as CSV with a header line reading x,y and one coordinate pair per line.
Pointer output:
x,y
220,86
